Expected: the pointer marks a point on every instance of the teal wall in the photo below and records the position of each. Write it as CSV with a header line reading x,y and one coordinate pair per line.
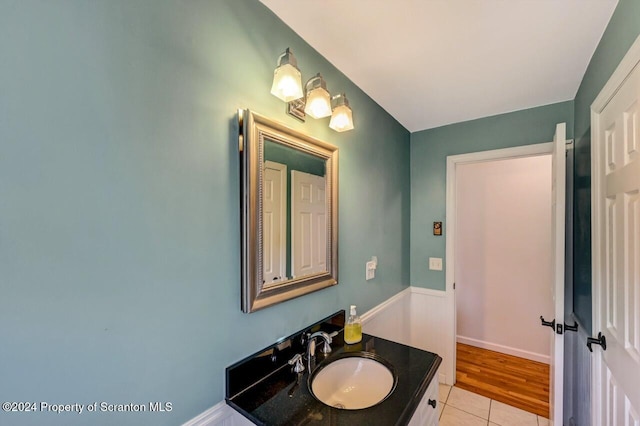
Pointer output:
x,y
429,150
621,32
119,201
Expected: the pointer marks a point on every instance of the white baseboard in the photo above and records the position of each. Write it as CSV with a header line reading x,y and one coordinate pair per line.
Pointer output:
x,y
219,415
504,349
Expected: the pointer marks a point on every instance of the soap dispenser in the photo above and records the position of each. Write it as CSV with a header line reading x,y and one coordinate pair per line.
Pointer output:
x,y
353,328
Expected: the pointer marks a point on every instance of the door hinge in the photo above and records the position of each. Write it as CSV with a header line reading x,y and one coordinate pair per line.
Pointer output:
x,y
454,286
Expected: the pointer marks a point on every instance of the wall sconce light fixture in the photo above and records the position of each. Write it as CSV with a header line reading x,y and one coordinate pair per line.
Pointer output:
x,y
316,101
342,117
318,104
287,80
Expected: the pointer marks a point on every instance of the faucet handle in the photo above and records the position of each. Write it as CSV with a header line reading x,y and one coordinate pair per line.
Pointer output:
x,y
326,348
298,365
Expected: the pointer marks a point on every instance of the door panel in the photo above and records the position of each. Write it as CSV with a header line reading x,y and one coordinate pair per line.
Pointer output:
x,y
617,259
274,222
308,224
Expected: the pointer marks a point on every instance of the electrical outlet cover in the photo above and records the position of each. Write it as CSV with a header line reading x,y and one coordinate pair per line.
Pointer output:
x,y
370,272
435,263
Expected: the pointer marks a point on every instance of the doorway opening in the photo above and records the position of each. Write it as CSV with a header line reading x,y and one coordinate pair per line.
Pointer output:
x,y
502,274
503,262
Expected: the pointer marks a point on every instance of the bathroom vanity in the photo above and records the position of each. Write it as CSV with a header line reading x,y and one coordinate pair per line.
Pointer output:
x,y
265,388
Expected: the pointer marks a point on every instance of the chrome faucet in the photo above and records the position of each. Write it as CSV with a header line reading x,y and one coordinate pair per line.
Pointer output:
x,y
311,346
296,362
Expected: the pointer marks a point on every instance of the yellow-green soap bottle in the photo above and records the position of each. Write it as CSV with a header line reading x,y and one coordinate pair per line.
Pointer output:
x,y
353,328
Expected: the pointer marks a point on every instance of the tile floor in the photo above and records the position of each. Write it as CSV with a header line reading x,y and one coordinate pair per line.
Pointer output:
x,y
459,407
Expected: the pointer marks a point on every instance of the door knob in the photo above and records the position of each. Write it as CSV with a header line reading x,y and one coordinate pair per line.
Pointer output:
x,y
601,340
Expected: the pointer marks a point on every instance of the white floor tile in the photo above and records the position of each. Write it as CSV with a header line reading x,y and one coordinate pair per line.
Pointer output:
x,y
470,402
440,407
443,392
543,421
451,416
506,415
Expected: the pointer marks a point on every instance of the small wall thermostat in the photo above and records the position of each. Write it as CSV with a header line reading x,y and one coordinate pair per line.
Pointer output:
x,y
437,228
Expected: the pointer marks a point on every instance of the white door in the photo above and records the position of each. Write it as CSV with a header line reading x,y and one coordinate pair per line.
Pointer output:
x,y
616,254
274,225
556,369
308,224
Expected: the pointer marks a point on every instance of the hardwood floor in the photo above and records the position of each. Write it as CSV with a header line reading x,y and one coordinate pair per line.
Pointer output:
x,y
514,381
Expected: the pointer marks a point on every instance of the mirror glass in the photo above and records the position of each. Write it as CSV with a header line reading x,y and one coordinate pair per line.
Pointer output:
x,y
294,223
289,211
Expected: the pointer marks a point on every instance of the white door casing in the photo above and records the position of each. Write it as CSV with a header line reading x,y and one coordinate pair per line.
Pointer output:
x,y
274,241
308,224
556,370
615,204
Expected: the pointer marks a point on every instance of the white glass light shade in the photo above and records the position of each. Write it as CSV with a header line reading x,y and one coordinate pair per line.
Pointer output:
x,y
287,83
341,119
318,103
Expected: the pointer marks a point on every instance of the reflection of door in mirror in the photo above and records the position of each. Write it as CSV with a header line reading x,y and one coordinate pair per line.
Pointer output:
x,y
285,257
308,224
274,222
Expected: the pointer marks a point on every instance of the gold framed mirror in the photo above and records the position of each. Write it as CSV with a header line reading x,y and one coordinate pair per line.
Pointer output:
x,y
289,207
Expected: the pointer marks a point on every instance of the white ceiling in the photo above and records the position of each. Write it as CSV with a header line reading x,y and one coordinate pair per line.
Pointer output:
x,y
436,62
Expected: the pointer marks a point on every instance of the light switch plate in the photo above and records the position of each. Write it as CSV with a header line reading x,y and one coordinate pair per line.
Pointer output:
x,y
435,263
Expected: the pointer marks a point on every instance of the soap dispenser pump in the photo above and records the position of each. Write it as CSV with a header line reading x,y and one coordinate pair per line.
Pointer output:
x,y
353,327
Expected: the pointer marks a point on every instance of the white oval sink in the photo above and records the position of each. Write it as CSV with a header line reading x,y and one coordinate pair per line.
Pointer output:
x,y
353,383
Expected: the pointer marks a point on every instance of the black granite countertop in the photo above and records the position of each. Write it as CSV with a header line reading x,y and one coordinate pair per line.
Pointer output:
x,y
283,397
